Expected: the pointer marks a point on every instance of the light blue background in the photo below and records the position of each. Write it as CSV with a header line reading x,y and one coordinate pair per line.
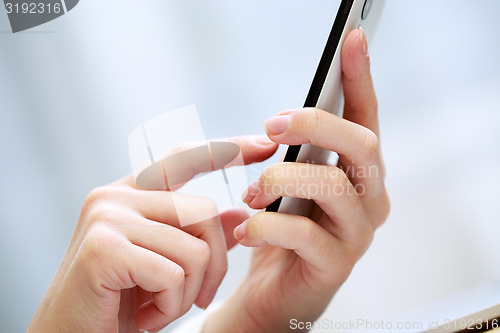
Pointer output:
x,y
73,89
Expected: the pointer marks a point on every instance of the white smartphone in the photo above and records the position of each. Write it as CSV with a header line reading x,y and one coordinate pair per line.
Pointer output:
x,y
326,89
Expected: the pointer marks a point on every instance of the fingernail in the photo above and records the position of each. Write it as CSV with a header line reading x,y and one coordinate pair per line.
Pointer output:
x,y
364,42
239,231
250,193
263,140
277,125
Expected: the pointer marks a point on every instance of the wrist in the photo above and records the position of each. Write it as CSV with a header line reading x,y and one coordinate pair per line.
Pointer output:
x,y
243,312
228,318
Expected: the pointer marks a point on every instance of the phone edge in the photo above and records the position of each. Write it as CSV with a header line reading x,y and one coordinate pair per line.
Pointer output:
x,y
332,44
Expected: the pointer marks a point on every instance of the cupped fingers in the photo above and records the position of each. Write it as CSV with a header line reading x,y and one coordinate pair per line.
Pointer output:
x,y
166,305
197,216
358,147
118,264
189,215
189,252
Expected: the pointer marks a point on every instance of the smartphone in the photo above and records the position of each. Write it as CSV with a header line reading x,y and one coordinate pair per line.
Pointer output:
x,y
326,89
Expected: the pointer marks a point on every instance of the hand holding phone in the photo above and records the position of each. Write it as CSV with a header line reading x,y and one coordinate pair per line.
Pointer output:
x,y
326,91
299,262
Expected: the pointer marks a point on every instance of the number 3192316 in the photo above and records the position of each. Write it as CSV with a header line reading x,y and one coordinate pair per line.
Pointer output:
x,y
33,8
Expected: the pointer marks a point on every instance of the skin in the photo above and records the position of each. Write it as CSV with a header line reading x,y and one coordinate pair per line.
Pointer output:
x,y
131,266
299,263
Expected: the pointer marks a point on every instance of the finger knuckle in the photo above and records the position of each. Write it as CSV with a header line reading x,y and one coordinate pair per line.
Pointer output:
x,y
177,276
98,243
105,213
100,194
201,253
221,267
170,314
208,206
340,177
98,213
269,179
371,144
254,226
309,233
312,118
337,180
204,215
100,197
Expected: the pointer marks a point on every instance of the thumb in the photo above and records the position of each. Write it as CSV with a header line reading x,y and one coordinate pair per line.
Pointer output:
x,y
360,99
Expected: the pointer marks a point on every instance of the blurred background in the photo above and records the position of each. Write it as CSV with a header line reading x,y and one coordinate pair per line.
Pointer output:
x,y
73,89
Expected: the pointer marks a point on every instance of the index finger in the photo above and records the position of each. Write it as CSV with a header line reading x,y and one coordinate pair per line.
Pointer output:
x,y
195,158
359,93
